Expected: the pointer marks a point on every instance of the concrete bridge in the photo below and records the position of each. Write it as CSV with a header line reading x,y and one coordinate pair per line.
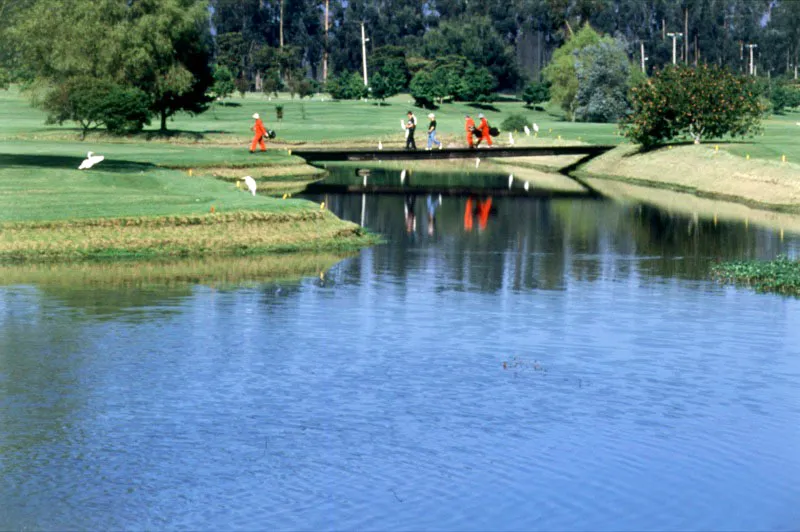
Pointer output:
x,y
589,151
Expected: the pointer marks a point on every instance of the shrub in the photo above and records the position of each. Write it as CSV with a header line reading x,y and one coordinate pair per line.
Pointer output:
x,y
224,82
347,86
784,96
701,103
95,103
515,123
536,93
452,77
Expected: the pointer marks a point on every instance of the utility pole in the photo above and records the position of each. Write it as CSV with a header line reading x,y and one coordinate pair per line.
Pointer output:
x,y
674,37
641,45
325,53
751,46
686,32
281,22
364,53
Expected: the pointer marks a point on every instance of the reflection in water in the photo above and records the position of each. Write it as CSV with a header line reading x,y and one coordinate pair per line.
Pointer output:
x,y
567,367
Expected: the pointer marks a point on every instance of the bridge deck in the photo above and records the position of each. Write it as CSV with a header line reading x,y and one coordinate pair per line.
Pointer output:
x,y
459,153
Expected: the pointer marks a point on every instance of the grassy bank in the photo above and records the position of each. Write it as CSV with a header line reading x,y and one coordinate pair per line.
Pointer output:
x,y
704,171
781,275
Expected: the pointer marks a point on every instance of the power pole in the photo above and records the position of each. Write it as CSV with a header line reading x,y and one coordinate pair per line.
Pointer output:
x,y
281,23
325,53
641,45
686,32
674,37
751,46
364,53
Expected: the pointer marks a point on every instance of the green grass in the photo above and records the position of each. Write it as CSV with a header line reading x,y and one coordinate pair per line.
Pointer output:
x,y
781,275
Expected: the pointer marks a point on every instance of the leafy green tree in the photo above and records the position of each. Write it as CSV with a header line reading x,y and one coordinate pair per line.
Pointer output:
x,y
390,72
160,47
561,72
536,93
224,82
477,85
701,103
347,86
603,72
93,104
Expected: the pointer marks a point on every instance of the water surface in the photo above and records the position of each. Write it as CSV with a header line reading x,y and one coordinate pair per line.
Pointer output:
x,y
525,364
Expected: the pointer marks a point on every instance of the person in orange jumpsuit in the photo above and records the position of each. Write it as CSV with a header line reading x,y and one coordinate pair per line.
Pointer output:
x,y
484,129
260,132
470,128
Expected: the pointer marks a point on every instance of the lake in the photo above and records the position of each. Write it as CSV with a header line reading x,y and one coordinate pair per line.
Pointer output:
x,y
501,362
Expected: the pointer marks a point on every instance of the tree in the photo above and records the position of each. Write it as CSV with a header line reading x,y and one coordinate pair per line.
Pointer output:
x,y
452,78
390,72
603,72
701,103
160,47
536,93
93,104
561,72
224,82
346,86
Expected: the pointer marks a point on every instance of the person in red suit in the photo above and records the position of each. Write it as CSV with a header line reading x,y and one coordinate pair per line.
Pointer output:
x,y
260,132
484,129
470,128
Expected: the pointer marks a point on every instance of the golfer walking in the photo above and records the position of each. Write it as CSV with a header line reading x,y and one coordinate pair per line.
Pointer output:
x,y
432,133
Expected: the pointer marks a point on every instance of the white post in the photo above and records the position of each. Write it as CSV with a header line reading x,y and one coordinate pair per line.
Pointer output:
x,y
644,71
674,42
751,46
364,54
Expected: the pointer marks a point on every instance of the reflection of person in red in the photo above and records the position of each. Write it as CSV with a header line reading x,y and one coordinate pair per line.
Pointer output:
x,y
468,215
259,133
484,129
484,208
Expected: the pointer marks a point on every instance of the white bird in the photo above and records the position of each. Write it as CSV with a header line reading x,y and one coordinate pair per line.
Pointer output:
x,y
535,127
511,138
90,161
251,184
527,131
510,180
477,161
380,145
526,186
402,176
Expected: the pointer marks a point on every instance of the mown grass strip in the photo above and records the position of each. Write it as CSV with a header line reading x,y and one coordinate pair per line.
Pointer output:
x,y
781,275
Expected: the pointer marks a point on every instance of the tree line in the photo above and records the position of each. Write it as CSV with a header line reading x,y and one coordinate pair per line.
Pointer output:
x,y
95,61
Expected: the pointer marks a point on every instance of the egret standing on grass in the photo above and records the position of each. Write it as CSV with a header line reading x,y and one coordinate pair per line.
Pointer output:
x,y
251,184
90,161
535,127
527,131
510,138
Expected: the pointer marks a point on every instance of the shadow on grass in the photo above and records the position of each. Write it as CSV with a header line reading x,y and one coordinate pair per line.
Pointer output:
x,y
66,162
661,147
484,107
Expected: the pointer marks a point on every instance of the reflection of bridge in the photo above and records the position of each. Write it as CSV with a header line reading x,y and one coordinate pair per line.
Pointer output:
x,y
589,151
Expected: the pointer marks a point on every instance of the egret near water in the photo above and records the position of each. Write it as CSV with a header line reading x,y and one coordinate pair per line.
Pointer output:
x,y
510,181
91,160
510,138
477,162
251,184
527,131
535,127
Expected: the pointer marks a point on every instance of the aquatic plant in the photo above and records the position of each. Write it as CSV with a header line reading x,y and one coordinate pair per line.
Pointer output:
x,y
781,275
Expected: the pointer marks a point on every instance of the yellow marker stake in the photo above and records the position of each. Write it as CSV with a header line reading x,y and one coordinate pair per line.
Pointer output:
x,y
559,137
781,234
747,157
290,152
238,184
669,147
190,172
716,147
284,196
783,158
322,206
